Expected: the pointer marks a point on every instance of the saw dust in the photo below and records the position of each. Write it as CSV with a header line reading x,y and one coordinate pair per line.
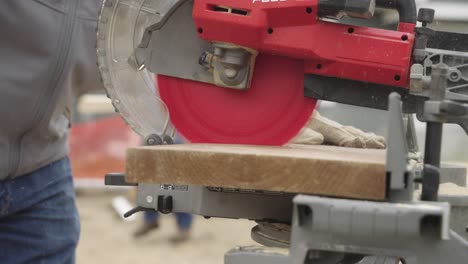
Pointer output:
x,y
106,238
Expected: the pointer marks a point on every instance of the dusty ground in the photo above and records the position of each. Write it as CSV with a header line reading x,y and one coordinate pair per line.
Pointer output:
x,y
105,238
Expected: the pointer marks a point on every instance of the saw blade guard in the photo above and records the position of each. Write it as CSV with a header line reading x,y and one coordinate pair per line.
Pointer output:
x,y
132,90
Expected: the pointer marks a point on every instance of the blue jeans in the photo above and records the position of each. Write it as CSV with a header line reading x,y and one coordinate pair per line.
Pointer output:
x,y
39,221
184,220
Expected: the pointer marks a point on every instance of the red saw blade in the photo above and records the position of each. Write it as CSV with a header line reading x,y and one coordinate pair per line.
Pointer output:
x,y
271,112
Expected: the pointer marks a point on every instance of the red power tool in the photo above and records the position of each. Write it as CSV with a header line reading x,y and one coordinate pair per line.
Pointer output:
x,y
249,72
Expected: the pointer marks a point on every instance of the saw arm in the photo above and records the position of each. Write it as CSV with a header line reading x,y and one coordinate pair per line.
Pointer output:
x,y
294,29
216,43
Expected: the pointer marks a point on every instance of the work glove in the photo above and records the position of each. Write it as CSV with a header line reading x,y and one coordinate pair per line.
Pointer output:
x,y
321,130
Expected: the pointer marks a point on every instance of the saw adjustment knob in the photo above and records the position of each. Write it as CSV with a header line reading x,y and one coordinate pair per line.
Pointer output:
x,y
426,16
165,204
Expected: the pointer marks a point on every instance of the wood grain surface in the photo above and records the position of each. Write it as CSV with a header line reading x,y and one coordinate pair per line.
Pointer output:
x,y
320,170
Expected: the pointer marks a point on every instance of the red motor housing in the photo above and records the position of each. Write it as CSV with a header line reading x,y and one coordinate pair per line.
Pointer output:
x,y
292,28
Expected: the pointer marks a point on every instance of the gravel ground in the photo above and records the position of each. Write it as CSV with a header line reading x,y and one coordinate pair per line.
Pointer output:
x,y
106,238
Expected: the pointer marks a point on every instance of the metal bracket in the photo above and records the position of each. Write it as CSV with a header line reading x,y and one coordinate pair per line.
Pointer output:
x,y
218,202
415,232
222,64
116,179
399,180
445,73
328,230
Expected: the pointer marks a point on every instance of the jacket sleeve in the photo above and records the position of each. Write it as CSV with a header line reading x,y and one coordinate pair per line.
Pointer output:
x,y
85,76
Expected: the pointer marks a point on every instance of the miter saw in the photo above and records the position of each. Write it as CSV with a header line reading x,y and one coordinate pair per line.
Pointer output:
x,y
250,72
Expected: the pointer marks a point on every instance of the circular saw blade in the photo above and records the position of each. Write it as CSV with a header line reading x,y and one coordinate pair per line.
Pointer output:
x,y
271,112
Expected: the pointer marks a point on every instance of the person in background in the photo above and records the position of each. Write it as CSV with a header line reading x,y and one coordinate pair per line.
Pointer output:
x,y
151,222
151,218
47,51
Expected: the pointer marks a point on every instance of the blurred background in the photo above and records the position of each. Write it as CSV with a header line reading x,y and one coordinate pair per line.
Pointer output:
x,y
99,138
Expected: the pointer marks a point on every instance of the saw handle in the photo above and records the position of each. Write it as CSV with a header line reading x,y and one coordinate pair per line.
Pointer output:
x,y
406,9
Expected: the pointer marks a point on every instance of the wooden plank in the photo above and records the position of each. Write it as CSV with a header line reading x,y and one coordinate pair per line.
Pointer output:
x,y
320,170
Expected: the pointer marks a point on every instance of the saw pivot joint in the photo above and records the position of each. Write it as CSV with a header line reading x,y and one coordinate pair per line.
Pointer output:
x,y
230,65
